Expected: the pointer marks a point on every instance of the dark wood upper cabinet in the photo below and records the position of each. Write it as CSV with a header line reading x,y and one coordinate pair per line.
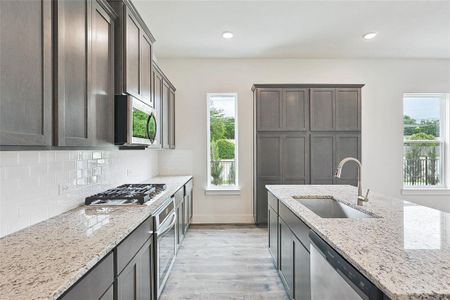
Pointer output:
x,y
72,73
164,96
295,109
84,98
348,109
269,109
26,73
322,114
134,52
102,68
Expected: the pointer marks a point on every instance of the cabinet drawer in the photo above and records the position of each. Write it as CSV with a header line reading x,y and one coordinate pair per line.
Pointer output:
x,y
273,201
298,227
95,283
132,243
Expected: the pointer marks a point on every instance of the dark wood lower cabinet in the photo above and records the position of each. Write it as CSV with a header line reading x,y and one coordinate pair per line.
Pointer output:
x,y
96,284
273,235
135,282
290,250
286,267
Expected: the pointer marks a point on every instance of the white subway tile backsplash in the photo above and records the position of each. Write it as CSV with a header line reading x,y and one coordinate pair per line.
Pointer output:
x,y
36,185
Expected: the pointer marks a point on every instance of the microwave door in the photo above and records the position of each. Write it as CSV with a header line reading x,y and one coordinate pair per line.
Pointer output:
x,y
139,121
152,128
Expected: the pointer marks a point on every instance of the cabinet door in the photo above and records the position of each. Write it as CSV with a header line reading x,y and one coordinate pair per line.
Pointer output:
x,y
269,155
95,284
348,109
348,145
295,158
295,109
26,73
273,235
73,76
322,109
102,67
286,258
322,159
180,231
146,69
171,119
157,102
302,289
135,282
268,171
165,114
132,54
268,109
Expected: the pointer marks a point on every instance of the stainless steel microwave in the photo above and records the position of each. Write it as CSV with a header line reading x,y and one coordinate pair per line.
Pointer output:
x,y
135,122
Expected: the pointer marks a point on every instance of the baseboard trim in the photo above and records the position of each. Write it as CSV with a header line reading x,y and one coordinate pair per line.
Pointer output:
x,y
223,219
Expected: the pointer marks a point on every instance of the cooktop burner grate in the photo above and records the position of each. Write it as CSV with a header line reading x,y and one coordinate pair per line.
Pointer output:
x,y
126,194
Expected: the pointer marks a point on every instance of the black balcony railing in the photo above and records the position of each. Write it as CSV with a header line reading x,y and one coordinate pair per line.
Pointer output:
x,y
422,171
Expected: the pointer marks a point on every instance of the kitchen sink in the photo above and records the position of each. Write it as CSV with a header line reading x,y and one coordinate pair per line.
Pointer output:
x,y
328,207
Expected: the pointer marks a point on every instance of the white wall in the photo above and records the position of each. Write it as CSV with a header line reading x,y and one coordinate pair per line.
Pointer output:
x,y
37,185
385,82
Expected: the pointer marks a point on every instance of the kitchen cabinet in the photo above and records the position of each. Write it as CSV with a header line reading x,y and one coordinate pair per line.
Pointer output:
x,y
95,285
79,72
84,98
301,131
335,109
286,266
164,93
26,76
134,52
289,246
272,223
282,109
136,280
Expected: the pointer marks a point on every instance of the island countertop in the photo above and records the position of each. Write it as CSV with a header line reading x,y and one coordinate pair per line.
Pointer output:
x,y
404,251
44,260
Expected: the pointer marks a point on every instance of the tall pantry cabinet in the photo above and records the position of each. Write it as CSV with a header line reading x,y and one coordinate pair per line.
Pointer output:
x,y
301,132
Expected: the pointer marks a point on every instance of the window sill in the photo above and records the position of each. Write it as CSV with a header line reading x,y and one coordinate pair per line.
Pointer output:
x,y
425,191
222,191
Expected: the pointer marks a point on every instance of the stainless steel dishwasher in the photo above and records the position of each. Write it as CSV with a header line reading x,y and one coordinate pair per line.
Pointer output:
x,y
332,277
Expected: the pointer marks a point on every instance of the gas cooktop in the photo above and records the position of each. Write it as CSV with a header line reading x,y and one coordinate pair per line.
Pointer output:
x,y
126,194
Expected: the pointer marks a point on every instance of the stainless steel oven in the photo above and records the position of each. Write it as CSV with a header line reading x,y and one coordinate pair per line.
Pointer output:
x,y
136,123
166,242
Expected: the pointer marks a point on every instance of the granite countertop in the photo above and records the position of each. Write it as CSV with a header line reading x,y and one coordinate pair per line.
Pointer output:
x,y
405,251
44,260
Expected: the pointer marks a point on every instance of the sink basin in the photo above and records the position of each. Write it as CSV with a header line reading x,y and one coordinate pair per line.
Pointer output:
x,y
328,207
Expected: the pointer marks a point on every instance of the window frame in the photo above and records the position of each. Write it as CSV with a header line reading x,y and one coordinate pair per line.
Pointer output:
x,y
444,142
231,188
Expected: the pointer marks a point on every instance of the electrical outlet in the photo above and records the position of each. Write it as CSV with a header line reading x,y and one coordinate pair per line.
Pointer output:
x,y
129,172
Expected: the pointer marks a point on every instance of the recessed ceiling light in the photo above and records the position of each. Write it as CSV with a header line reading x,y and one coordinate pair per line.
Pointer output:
x,y
227,35
370,35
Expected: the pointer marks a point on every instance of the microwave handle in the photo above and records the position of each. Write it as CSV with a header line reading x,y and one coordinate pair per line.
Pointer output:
x,y
152,139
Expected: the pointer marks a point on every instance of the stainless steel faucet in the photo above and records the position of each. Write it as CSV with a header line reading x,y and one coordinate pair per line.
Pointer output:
x,y
338,173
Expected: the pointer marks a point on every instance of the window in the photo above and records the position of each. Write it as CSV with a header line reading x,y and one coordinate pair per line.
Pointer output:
x,y
425,141
222,142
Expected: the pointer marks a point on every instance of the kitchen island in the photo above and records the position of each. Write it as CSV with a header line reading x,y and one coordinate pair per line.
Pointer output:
x,y
402,248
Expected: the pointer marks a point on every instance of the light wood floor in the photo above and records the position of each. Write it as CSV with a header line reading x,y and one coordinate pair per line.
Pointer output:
x,y
224,262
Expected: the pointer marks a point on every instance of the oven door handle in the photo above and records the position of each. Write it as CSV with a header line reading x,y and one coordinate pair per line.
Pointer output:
x,y
168,227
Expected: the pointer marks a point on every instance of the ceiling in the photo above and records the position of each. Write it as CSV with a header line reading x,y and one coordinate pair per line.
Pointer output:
x,y
298,29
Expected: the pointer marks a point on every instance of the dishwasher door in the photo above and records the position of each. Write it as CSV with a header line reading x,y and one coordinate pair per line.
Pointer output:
x,y
332,277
